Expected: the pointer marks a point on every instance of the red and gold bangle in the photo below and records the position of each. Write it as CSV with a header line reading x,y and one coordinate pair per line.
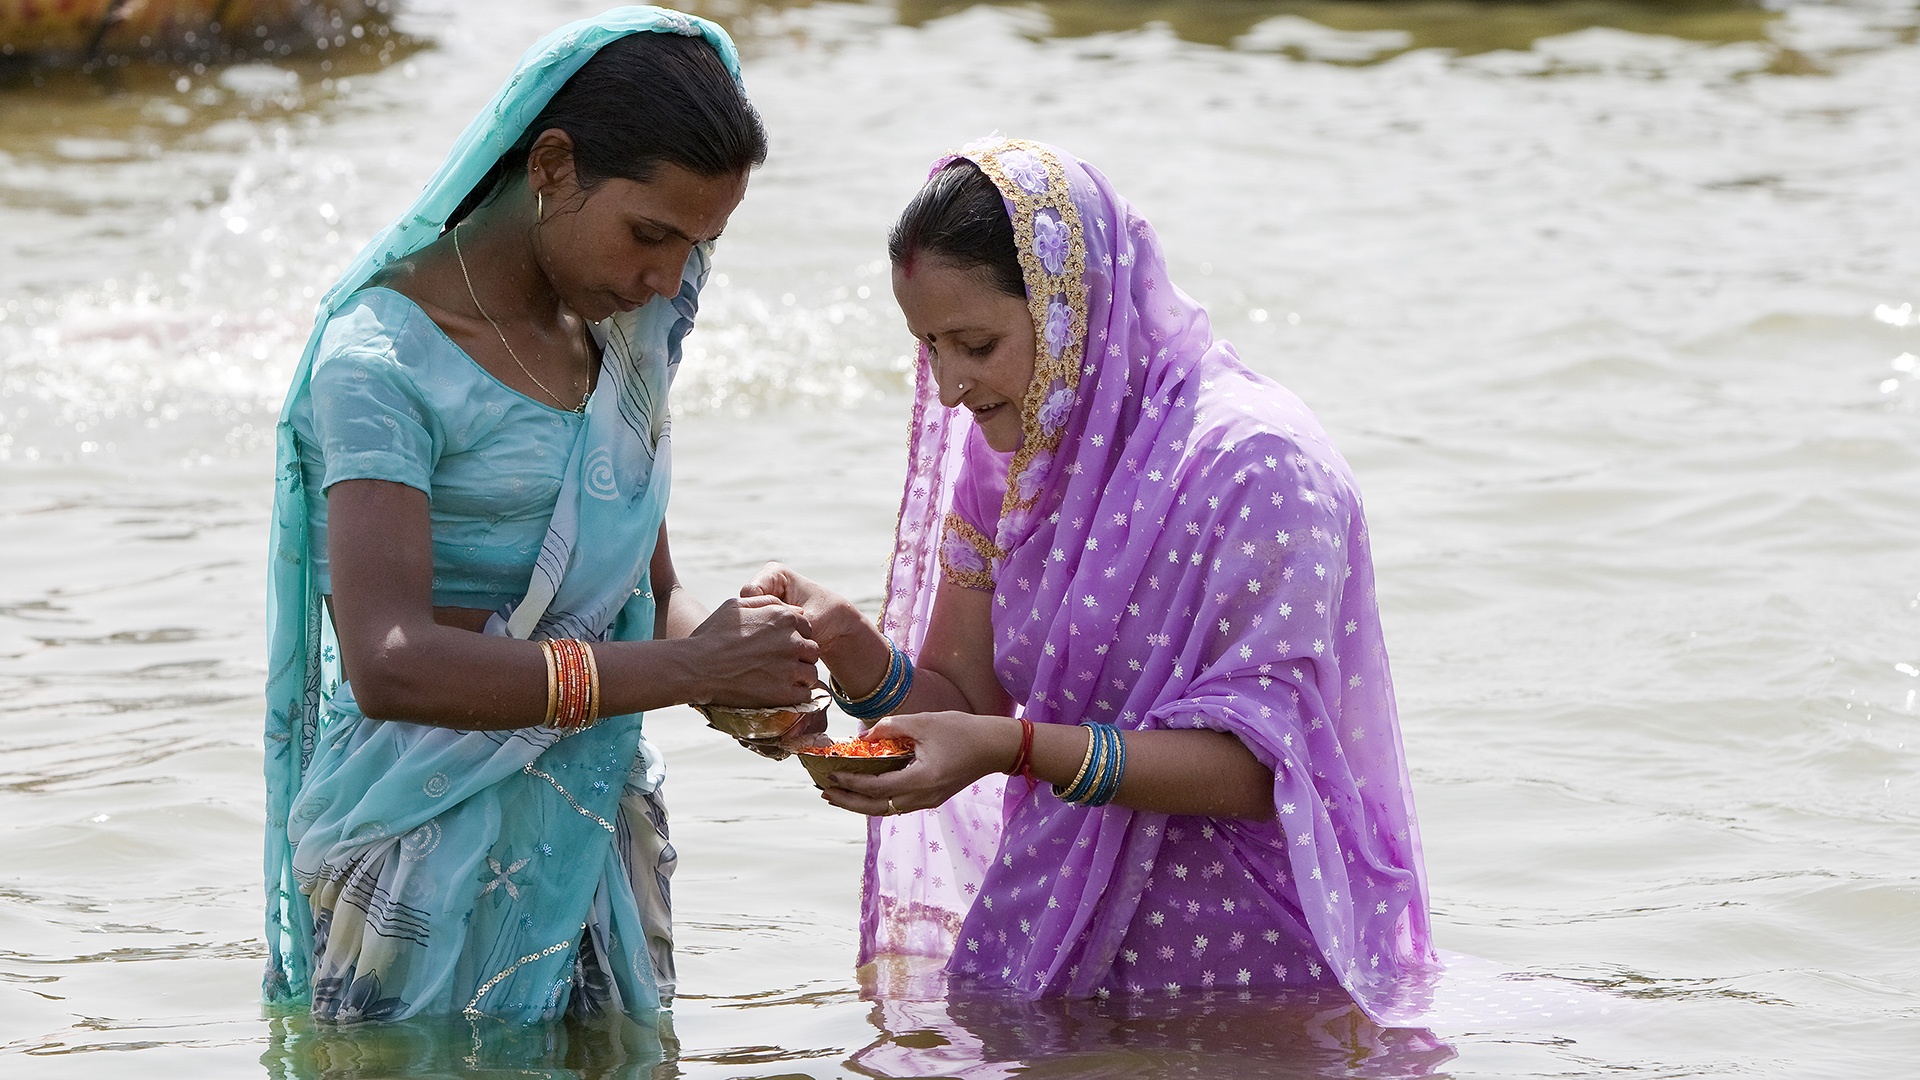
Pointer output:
x,y
563,658
553,682
583,699
578,703
577,686
559,682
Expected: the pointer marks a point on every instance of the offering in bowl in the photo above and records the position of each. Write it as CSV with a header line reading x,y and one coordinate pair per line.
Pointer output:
x,y
866,757
767,726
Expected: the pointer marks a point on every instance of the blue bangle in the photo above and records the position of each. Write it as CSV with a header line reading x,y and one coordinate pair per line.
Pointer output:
x,y
1116,765
886,697
1106,763
902,687
1099,761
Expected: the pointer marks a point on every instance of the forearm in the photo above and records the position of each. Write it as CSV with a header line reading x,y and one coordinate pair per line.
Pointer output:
x,y
679,614
853,649
933,692
407,660
858,655
676,613
1202,773
445,677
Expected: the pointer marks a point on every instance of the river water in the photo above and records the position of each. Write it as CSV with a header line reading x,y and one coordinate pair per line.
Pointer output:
x,y
1614,307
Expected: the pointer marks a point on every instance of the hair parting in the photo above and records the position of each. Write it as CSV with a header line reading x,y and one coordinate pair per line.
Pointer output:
x,y
958,215
641,101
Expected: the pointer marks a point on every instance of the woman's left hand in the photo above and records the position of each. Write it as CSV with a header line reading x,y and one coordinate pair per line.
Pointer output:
x,y
951,751
827,611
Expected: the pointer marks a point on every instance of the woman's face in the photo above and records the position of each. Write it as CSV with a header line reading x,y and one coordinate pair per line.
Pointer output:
x,y
620,243
979,339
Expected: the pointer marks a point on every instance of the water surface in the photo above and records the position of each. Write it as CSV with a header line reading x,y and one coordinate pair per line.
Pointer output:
x,y
1612,306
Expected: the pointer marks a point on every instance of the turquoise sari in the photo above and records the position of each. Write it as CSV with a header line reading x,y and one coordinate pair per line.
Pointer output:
x,y
416,870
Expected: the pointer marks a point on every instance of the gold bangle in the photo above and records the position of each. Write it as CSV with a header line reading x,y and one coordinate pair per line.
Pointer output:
x,y
593,686
553,682
1085,763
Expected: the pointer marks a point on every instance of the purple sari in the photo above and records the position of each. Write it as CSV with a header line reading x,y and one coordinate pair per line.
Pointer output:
x,y
1176,544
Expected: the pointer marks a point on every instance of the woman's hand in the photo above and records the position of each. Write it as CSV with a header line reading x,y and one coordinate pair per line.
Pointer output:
x,y
831,615
951,751
757,652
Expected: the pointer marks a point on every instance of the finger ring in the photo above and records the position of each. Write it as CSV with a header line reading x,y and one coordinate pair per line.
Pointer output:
x,y
891,809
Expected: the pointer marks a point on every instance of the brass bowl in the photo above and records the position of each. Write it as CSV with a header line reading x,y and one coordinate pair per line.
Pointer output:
x,y
820,766
765,725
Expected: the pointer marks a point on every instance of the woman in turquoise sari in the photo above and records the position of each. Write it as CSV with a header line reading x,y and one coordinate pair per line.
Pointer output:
x,y
472,598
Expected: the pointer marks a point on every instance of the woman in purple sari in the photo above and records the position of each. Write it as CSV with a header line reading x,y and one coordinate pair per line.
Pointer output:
x,y
1133,576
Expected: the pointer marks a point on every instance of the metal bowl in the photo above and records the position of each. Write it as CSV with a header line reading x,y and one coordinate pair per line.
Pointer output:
x,y
766,725
820,766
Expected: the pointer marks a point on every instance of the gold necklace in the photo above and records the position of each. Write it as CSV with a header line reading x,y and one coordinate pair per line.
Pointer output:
x,y
558,400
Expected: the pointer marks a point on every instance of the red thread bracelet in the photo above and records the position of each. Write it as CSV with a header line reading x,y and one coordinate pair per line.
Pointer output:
x,y
1023,762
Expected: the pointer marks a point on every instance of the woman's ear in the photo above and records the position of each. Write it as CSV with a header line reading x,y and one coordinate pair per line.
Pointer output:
x,y
550,167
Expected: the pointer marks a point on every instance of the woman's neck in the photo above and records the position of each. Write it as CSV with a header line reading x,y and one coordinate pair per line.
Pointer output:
x,y
497,248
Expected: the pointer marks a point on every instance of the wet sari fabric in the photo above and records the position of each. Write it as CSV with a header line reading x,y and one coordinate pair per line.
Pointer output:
x,y
1175,545
415,870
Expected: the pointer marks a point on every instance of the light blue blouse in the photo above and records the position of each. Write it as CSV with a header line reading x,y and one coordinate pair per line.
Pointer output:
x,y
395,399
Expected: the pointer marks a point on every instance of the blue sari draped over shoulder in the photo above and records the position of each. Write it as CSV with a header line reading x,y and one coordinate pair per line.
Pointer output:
x,y
417,870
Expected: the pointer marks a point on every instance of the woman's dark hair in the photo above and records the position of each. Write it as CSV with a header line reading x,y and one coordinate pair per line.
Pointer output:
x,y
959,216
642,100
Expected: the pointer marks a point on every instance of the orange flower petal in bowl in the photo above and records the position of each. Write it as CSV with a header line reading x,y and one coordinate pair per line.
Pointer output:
x,y
867,757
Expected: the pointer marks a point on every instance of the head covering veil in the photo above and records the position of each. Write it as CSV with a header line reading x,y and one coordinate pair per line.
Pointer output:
x,y
495,849
1175,544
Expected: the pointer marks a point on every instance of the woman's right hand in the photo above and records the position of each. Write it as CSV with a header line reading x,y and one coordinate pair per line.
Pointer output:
x,y
757,652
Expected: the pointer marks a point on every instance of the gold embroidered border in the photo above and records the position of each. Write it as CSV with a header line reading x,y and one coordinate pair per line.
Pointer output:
x,y
977,540
568,795
1042,288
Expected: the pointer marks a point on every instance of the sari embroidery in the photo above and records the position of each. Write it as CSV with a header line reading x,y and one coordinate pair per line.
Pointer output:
x,y
1053,261
966,555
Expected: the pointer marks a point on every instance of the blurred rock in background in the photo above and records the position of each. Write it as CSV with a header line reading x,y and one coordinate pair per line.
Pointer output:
x,y
94,33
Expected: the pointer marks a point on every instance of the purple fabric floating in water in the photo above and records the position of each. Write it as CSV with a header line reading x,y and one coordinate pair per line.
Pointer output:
x,y
1178,546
